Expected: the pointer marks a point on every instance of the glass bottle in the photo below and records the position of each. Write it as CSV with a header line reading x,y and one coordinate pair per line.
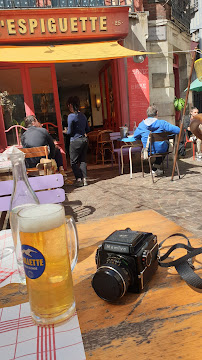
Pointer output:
x,y
22,196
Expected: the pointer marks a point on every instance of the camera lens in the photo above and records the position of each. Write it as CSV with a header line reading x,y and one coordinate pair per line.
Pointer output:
x,y
110,282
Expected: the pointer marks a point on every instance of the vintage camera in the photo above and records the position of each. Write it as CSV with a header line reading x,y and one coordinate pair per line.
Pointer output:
x,y
126,260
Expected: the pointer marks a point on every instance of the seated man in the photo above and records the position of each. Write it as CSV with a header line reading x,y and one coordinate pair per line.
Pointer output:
x,y
152,124
37,136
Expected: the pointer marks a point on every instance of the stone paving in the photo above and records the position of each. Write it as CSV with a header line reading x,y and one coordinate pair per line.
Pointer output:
x,y
109,194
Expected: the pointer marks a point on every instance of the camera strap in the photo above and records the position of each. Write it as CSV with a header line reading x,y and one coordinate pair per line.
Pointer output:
x,y
183,265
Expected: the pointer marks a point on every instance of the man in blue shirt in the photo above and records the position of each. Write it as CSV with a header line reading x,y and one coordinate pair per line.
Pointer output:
x,y
153,124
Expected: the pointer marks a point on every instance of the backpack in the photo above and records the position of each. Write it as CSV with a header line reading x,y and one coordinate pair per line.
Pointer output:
x,y
181,150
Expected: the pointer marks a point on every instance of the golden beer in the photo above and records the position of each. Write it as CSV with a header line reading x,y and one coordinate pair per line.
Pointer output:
x,y
46,262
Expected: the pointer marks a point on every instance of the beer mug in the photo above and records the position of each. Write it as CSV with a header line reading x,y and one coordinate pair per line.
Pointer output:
x,y
45,245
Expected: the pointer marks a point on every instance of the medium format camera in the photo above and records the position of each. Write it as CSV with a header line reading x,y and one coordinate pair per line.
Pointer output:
x,y
126,260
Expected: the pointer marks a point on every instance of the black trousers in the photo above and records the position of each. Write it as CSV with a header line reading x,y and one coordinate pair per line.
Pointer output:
x,y
78,153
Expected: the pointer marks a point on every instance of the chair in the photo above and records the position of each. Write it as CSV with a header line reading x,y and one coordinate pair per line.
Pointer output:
x,y
38,183
40,151
92,142
123,150
154,137
189,141
18,129
104,145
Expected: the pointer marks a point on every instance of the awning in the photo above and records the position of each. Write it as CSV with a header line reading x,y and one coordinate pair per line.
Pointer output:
x,y
196,85
66,53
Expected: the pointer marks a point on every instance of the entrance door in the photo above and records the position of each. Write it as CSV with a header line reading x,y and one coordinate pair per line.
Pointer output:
x,y
107,89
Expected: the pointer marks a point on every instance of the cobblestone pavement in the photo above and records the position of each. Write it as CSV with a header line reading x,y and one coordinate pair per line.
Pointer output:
x,y
109,194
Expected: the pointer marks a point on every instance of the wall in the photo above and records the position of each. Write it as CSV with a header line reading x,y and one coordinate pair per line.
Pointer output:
x,y
158,9
137,73
95,90
166,37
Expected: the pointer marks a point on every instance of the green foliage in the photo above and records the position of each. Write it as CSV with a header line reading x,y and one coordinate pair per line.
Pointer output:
x,y
7,103
179,103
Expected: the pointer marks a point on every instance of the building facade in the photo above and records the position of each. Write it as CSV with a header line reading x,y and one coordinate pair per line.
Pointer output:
x,y
196,35
169,36
120,86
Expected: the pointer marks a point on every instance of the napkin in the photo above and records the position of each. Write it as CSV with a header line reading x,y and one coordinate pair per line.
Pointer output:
x,y
20,338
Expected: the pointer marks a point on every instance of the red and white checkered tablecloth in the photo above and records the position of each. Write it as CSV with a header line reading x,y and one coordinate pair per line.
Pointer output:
x,y
20,338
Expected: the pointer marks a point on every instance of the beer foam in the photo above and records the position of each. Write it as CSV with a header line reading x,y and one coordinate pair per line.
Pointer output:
x,y
42,217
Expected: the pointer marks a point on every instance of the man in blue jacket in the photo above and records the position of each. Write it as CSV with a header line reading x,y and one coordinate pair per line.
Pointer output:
x,y
153,124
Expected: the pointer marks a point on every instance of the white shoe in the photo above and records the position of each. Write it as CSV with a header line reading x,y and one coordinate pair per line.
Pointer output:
x,y
199,156
157,172
192,138
78,182
85,182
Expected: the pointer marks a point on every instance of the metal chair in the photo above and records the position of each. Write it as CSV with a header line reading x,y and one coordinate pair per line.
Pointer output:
x,y
155,137
104,145
47,190
189,141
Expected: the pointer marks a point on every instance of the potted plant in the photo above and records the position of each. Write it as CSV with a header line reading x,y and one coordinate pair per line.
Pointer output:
x,y
179,103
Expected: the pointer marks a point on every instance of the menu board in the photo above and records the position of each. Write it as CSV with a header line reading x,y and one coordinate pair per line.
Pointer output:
x,y
138,90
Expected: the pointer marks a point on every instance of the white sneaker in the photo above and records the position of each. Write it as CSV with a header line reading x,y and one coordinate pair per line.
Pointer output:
x,y
192,138
157,172
85,183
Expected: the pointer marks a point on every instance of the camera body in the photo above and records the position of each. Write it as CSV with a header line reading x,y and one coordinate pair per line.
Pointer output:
x,y
126,260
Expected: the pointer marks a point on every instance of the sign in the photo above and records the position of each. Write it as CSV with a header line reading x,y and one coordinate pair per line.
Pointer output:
x,y
157,33
42,25
138,90
33,261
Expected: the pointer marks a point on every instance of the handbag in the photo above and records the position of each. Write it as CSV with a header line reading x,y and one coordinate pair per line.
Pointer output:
x,y
184,264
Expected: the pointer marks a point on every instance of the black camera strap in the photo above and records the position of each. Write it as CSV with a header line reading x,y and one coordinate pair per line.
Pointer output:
x,y
183,265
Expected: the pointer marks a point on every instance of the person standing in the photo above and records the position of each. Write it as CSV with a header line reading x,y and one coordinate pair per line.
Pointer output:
x,y
77,129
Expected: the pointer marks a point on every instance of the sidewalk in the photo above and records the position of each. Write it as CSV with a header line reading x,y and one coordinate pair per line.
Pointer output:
x,y
109,194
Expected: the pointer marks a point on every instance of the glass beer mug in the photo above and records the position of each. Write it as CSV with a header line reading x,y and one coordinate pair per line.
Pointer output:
x,y
44,244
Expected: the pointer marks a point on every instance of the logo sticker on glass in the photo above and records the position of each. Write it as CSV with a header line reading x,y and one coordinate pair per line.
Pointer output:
x,y
34,262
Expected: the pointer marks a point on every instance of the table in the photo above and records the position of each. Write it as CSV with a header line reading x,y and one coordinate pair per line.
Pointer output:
x,y
163,322
137,146
5,170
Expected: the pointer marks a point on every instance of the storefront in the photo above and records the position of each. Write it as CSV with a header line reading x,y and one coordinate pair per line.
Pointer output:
x,y
47,55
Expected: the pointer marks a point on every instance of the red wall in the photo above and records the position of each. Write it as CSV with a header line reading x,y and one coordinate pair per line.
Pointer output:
x,y
138,90
159,10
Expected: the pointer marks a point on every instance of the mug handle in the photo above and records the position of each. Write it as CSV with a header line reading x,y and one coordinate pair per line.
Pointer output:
x,y
72,241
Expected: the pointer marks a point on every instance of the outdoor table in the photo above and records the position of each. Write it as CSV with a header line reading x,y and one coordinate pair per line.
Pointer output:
x,y
163,322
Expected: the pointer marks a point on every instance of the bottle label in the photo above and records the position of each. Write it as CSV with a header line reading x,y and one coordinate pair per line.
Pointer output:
x,y
34,262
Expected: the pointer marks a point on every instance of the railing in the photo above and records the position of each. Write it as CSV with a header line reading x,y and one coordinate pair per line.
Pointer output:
x,y
24,4
181,12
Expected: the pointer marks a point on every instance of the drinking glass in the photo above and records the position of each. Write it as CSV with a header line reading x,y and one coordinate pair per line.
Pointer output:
x,y
46,249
